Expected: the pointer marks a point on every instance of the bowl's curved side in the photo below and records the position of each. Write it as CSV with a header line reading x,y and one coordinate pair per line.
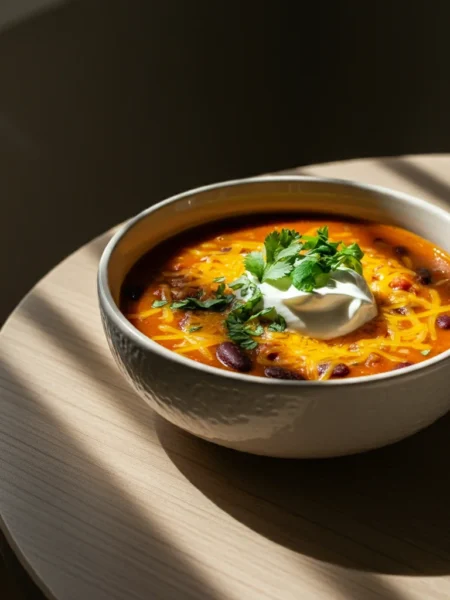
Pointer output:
x,y
291,422
304,419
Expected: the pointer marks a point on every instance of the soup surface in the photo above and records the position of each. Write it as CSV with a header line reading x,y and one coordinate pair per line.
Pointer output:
x,y
179,295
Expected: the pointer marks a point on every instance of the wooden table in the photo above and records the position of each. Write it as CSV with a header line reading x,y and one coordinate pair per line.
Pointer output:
x,y
101,499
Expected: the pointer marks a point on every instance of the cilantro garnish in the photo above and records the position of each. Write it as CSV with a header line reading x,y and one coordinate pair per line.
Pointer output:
x,y
312,269
307,261
159,303
244,322
218,303
282,248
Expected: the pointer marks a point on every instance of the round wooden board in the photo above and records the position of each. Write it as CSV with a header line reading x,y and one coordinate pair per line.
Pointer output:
x,y
103,500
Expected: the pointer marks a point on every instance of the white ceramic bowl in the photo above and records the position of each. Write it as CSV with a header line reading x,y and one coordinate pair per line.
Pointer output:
x,y
268,416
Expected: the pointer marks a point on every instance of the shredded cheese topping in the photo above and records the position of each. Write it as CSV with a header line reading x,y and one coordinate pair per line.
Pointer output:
x,y
392,335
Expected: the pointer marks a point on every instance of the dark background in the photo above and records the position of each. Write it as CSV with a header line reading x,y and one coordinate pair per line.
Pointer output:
x,y
107,106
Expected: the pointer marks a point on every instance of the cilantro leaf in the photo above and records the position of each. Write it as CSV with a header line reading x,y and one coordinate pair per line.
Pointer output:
x,y
159,303
291,251
279,324
242,283
237,332
308,274
214,304
271,244
254,263
277,270
217,304
255,331
219,280
287,237
195,328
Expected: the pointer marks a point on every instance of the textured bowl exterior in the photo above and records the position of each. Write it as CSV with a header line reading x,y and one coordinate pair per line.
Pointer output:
x,y
295,419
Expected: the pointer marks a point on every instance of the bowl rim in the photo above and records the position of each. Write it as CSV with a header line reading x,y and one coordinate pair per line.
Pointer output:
x,y
121,322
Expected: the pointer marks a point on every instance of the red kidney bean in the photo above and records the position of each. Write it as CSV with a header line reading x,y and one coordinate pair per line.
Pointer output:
x,y
401,250
279,373
340,370
424,276
232,356
400,283
402,365
443,321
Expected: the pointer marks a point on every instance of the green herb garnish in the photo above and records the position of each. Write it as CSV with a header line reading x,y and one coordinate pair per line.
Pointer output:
x,y
219,280
194,328
159,303
244,321
425,352
218,303
282,248
307,261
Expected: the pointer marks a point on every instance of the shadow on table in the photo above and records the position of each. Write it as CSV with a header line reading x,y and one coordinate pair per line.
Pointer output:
x,y
123,550
385,511
336,511
419,176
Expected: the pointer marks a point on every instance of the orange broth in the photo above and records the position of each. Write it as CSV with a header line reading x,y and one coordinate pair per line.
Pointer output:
x,y
406,330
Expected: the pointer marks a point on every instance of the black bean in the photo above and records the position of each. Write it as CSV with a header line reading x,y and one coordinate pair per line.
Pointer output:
x,y
340,370
424,276
279,373
232,356
402,365
443,321
401,250
132,292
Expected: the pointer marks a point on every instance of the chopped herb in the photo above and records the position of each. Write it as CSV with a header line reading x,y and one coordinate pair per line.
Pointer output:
x,y
312,269
245,321
219,280
238,333
277,270
279,324
217,304
243,284
195,328
220,290
282,249
425,352
159,303
254,263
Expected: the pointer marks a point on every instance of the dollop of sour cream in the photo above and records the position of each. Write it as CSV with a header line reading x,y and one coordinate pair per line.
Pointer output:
x,y
343,305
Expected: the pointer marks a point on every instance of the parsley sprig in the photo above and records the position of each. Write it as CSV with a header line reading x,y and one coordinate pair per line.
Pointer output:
x,y
306,260
245,321
218,302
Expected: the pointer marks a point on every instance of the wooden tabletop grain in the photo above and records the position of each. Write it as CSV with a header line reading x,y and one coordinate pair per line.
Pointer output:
x,y
100,499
